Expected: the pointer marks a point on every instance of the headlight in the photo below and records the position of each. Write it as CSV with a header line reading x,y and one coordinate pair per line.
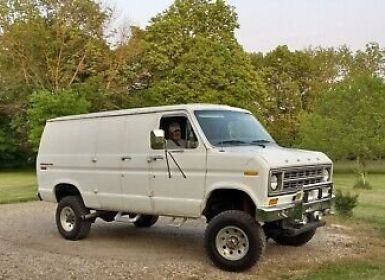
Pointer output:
x,y
325,175
274,182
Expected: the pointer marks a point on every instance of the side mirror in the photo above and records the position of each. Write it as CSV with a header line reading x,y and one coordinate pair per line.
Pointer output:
x,y
157,139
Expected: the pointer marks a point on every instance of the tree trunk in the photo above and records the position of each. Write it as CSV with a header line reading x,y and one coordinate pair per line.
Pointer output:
x,y
362,172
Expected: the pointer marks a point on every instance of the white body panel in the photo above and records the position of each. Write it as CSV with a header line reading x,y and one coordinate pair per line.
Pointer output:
x,y
106,156
136,193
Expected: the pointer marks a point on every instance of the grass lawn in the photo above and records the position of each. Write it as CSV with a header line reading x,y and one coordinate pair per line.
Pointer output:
x,y
371,207
350,166
352,270
370,211
17,186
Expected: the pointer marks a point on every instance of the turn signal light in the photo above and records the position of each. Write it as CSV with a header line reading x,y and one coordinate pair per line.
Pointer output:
x,y
273,201
250,173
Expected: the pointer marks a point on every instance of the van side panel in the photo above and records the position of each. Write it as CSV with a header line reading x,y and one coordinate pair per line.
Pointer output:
x,y
67,149
108,162
136,193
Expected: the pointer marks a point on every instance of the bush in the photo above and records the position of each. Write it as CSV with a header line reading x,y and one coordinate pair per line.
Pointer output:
x,y
362,184
345,203
45,105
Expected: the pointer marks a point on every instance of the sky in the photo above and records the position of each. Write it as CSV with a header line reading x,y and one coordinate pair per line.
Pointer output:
x,y
265,24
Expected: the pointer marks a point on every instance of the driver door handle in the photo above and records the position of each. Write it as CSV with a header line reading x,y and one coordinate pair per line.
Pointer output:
x,y
155,158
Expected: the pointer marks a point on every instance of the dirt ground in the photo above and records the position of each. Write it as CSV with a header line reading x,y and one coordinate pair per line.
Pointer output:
x,y
31,248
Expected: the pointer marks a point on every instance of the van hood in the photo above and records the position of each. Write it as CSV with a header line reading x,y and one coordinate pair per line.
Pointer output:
x,y
278,157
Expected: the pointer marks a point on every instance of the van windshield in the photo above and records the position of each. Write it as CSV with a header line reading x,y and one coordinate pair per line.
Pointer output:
x,y
232,128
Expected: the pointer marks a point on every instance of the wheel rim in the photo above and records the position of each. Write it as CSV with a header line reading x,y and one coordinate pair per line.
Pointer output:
x,y
232,243
67,218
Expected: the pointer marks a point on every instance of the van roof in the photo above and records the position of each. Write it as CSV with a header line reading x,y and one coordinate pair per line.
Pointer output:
x,y
147,110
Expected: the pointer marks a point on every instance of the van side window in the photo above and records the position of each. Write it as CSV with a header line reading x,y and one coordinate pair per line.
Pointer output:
x,y
178,132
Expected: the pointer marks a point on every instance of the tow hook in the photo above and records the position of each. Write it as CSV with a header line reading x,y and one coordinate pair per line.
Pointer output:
x,y
318,215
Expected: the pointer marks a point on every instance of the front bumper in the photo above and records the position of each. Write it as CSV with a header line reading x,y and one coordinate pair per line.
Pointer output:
x,y
294,211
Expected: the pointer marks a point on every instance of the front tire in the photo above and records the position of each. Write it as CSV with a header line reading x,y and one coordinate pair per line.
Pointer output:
x,y
69,218
234,241
297,240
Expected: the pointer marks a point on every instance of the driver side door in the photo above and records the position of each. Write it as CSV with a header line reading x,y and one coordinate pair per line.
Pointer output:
x,y
178,191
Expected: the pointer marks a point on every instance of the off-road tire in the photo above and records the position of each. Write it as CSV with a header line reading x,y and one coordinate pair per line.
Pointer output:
x,y
145,221
81,227
252,230
297,240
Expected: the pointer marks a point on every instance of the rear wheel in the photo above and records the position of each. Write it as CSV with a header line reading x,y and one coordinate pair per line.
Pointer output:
x,y
144,221
297,240
69,218
234,241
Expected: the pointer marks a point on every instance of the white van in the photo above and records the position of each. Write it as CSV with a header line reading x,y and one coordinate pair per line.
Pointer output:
x,y
184,161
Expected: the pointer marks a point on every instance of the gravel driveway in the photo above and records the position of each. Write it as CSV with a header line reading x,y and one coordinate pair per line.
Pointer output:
x,y
31,248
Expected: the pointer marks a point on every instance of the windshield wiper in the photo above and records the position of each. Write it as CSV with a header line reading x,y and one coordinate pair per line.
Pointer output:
x,y
261,142
232,141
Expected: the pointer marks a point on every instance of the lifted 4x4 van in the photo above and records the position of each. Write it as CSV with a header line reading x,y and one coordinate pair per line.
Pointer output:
x,y
129,166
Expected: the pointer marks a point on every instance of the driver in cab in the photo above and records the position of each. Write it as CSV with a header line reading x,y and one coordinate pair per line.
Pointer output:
x,y
175,140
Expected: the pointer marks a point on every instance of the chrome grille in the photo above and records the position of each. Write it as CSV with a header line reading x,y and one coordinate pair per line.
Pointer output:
x,y
298,178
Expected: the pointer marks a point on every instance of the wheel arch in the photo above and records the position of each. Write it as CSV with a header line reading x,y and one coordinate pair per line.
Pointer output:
x,y
62,190
231,198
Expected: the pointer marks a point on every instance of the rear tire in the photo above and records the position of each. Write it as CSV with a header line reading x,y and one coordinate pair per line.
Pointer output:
x,y
69,218
145,221
234,241
297,240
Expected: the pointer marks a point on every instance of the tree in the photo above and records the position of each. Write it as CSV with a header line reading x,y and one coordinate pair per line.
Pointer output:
x,y
50,45
191,55
8,147
290,77
349,121
370,61
46,105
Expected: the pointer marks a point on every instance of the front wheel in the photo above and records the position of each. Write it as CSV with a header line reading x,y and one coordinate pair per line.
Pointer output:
x,y
234,241
296,240
69,219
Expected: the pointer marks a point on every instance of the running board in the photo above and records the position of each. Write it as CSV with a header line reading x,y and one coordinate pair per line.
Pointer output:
x,y
125,218
173,222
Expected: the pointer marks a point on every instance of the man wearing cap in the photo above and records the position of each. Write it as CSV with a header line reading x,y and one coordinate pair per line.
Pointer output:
x,y
175,140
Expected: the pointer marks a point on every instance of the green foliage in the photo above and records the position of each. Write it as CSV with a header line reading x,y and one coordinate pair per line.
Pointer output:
x,y
345,203
51,44
191,55
362,184
349,121
7,145
295,79
288,76
187,54
46,105
370,61
12,151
